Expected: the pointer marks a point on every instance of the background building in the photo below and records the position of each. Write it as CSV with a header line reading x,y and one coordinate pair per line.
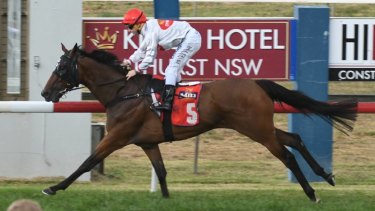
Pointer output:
x,y
38,144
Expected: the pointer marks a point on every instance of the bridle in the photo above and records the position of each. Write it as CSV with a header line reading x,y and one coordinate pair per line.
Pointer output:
x,y
67,70
69,73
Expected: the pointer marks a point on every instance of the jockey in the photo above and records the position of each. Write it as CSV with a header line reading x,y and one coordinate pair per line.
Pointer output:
x,y
164,35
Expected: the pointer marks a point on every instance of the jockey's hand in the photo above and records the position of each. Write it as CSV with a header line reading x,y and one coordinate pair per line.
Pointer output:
x,y
126,62
130,74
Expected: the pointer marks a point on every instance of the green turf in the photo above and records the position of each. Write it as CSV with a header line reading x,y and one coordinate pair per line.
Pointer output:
x,y
83,197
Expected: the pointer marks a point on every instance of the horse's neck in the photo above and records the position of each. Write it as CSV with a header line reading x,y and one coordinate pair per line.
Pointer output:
x,y
109,85
103,82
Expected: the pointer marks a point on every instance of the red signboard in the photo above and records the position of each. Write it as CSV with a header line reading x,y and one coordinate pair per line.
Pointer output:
x,y
230,48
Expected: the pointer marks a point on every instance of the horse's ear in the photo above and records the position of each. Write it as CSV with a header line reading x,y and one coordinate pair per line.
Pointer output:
x,y
75,47
63,48
74,50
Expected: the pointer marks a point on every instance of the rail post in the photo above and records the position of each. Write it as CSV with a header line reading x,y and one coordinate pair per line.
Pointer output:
x,y
312,38
167,9
97,134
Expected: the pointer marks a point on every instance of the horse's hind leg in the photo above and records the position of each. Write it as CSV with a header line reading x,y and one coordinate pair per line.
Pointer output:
x,y
153,153
294,140
283,154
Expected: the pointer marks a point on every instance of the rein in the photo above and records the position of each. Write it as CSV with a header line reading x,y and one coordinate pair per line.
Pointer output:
x,y
139,94
125,68
70,89
70,75
111,82
116,100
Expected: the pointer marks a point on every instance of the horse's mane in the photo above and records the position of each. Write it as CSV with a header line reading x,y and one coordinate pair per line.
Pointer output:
x,y
111,60
104,57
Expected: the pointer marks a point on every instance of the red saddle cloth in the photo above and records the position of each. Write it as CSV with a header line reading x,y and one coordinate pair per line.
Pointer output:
x,y
185,104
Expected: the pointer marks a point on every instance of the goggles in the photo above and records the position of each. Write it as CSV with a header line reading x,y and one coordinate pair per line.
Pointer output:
x,y
130,26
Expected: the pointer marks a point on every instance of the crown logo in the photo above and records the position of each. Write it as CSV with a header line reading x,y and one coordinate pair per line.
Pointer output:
x,y
105,40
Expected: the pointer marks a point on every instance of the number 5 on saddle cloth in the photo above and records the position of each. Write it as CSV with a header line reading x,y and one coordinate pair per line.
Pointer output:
x,y
184,110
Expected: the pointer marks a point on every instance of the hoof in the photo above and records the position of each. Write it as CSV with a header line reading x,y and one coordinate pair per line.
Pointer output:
x,y
49,192
317,201
166,196
331,179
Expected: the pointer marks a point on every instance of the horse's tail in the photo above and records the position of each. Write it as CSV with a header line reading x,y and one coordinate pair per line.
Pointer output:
x,y
340,114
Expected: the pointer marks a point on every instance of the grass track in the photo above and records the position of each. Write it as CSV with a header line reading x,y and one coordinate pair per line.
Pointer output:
x,y
86,197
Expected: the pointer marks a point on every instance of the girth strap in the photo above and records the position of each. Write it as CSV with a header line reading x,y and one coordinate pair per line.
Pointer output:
x,y
167,126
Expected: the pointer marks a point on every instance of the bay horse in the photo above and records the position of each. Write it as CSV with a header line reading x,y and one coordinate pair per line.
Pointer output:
x,y
244,105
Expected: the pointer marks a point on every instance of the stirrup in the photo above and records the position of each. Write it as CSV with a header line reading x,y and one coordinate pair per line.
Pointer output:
x,y
168,95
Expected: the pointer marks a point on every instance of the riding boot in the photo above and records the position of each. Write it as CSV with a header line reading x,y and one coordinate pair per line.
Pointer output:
x,y
167,96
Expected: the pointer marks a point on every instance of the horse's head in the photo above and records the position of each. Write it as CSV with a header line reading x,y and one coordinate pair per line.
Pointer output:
x,y
65,76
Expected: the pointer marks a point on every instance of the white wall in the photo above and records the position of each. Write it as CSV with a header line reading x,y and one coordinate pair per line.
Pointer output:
x,y
46,145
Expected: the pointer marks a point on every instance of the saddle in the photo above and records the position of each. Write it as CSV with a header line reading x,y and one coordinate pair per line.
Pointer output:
x,y
185,105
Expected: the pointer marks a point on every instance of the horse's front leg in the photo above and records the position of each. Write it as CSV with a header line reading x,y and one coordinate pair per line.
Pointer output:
x,y
153,153
105,148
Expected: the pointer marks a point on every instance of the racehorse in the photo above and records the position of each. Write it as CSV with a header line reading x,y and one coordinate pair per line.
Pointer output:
x,y
244,105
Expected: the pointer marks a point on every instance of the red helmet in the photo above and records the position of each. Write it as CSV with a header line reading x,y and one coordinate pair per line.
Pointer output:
x,y
134,16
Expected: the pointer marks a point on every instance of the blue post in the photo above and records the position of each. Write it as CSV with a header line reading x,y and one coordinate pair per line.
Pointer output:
x,y
167,9
312,79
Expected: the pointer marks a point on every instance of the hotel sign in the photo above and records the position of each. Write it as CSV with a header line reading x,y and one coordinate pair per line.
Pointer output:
x,y
230,48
